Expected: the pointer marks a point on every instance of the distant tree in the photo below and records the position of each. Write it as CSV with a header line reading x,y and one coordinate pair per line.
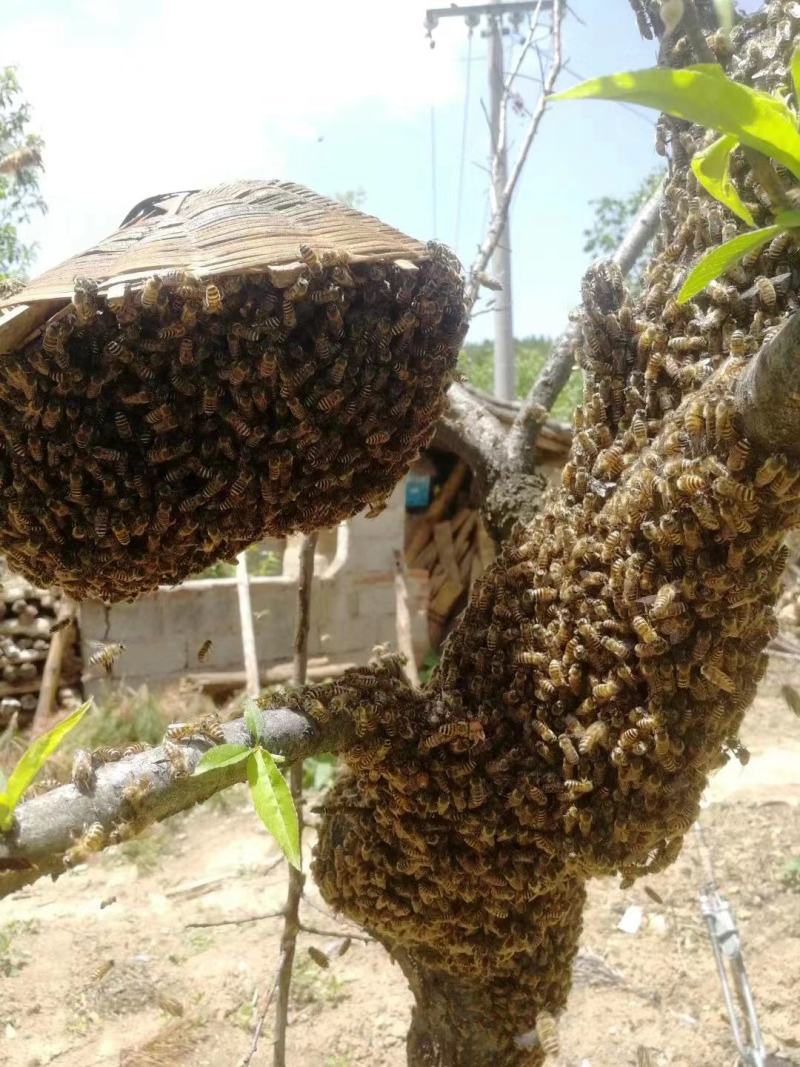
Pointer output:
x,y
20,170
476,364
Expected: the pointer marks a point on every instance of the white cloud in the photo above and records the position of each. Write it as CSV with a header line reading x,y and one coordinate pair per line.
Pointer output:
x,y
134,99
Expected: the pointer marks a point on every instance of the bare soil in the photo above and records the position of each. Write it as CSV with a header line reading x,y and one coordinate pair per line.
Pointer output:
x,y
178,994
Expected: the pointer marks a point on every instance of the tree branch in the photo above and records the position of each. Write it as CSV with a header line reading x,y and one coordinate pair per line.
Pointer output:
x,y
46,826
767,394
469,430
291,911
552,378
501,209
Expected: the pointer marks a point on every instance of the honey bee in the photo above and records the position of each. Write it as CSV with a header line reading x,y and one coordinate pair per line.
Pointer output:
x,y
212,300
205,648
91,841
102,969
644,630
311,260
178,761
106,656
568,749
718,677
766,292
150,293
471,730
728,487
547,1031
82,770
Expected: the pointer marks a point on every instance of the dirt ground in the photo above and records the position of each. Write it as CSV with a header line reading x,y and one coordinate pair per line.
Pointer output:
x,y
184,995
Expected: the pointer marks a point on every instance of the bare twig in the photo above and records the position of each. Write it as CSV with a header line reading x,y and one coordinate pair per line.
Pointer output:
x,y
234,922
46,826
500,209
246,1061
553,376
334,933
291,912
499,149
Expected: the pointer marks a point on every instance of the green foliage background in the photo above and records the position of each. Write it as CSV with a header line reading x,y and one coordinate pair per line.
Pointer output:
x,y
19,189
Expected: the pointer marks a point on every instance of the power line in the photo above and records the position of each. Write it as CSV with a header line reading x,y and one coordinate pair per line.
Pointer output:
x,y
463,139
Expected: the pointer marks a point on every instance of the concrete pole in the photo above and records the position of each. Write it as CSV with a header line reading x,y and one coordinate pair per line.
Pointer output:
x,y
504,357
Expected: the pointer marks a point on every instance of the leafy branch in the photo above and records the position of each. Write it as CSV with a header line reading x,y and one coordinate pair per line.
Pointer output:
x,y
765,126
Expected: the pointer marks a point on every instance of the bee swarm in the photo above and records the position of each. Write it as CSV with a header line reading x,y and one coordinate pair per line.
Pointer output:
x,y
603,665
145,436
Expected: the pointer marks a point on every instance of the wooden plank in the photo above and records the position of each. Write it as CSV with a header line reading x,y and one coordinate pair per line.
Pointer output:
x,y
427,557
18,322
443,536
420,540
438,578
436,511
476,569
318,670
465,537
460,518
485,546
444,600
465,564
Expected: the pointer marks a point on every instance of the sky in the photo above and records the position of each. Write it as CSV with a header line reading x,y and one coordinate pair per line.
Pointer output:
x,y
134,99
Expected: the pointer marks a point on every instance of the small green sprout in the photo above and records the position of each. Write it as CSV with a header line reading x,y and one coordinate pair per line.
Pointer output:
x,y
268,789
30,763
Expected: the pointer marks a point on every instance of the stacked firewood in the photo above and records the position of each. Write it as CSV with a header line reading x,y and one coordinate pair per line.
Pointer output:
x,y
27,615
451,543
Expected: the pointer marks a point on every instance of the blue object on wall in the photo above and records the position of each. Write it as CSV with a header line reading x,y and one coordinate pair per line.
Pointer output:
x,y
418,490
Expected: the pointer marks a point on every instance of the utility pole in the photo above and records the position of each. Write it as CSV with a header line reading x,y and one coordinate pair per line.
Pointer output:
x,y
504,361
494,12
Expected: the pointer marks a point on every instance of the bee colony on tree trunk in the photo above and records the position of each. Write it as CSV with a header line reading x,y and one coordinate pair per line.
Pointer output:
x,y
602,667
166,418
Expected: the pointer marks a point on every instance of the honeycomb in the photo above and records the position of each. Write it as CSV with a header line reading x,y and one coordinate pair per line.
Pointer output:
x,y
145,436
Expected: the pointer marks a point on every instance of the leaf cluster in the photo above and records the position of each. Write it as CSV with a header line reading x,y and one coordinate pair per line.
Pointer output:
x,y
269,792
759,121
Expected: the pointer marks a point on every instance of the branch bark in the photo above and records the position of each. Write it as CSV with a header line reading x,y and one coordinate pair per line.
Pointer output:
x,y
767,395
46,826
470,431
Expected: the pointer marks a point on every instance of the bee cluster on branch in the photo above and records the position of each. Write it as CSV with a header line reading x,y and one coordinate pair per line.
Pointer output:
x,y
144,436
603,665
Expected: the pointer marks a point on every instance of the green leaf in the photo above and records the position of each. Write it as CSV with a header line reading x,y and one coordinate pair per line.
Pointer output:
x,y
712,168
722,257
724,13
33,759
705,95
221,756
788,220
795,67
273,802
250,710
